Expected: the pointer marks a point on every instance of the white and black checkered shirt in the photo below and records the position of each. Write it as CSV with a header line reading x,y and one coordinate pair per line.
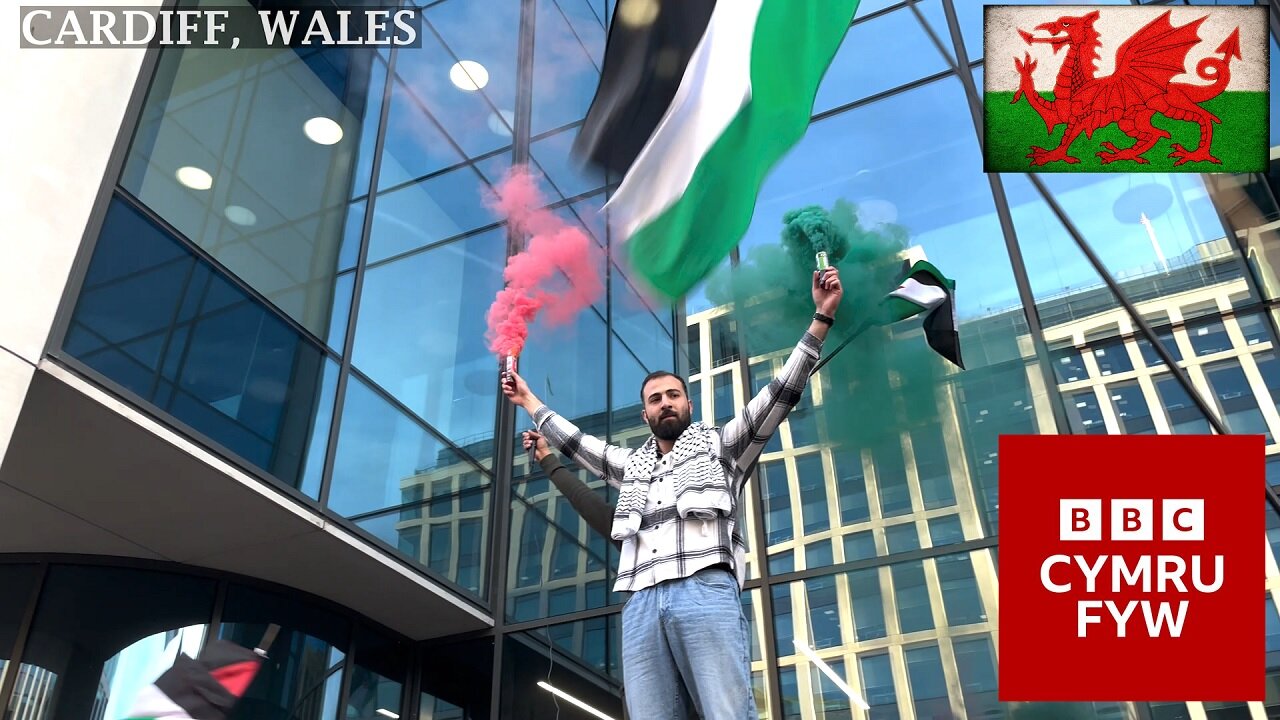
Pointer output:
x,y
669,547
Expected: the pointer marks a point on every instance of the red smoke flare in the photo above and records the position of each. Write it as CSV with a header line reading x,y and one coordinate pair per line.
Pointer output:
x,y
558,270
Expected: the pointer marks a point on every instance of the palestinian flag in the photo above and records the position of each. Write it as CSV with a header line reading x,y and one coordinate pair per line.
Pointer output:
x,y
204,689
926,290
748,73
1126,89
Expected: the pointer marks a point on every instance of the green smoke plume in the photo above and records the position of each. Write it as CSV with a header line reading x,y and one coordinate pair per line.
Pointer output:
x,y
885,381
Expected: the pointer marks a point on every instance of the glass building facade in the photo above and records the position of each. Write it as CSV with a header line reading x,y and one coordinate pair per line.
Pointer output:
x,y
294,266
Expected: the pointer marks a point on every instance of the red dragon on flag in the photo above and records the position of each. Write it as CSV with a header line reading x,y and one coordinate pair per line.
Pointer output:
x,y
1150,96
1140,87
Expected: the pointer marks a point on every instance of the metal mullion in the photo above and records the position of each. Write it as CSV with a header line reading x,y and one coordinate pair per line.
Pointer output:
x,y
471,161
1022,280
576,616
505,421
982,543
10,677
353,314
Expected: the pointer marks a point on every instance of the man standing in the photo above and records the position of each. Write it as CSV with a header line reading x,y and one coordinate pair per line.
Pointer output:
x,y
685,647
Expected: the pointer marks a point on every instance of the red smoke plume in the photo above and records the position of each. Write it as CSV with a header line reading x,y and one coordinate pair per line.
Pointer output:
x,y
559,270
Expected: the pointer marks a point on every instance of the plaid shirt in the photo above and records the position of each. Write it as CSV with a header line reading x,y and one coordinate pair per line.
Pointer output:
x,y
669,547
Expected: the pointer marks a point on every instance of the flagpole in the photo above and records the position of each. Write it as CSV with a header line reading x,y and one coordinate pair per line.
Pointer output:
x,y
865,324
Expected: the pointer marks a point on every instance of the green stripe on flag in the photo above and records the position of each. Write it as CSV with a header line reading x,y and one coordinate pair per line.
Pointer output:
x,y
1241,141
793,45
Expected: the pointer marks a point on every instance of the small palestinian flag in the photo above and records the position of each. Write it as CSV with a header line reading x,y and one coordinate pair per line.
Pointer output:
x,y
926,290
204,689
1126,89
697,102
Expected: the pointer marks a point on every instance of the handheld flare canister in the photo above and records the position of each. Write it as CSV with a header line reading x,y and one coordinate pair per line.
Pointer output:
x,y
823,264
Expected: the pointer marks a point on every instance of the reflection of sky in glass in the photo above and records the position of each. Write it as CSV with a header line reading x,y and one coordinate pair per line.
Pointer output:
x,y
142,662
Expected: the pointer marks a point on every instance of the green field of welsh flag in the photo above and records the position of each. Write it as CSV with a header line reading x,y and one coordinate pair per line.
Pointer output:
x,y
1126,89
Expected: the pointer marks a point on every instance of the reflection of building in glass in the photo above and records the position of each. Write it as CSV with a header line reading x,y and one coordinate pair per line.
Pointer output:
x,y
913,622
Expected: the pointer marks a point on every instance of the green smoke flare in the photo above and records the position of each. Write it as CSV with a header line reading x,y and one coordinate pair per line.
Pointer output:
x,y
885,381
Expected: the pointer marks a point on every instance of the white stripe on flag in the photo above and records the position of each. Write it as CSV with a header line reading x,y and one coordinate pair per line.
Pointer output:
x,y
151,702
716,86
926,296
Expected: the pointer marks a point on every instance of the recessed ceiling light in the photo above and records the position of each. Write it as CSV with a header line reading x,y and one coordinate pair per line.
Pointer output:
x,y
637,13
502,125
240,215
322,130
194,178
468,75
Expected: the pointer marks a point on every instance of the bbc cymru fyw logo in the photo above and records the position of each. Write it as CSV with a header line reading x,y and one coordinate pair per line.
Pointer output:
x,y
1126,89
1131,568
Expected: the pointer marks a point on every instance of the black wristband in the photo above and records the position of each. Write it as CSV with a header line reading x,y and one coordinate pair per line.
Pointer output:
x,y
826,319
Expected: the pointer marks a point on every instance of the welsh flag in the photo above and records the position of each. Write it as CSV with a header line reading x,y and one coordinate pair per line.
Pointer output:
x,y
1126,89
926,290
203,689
747,71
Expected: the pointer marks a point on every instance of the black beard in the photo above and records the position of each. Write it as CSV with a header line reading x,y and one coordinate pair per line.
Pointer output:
x,y
664,430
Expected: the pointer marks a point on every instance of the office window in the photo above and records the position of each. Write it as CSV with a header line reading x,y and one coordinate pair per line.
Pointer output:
x,y
724,340
1185,417
902,538
777,501
1068,366
915,612
1236,400
877,680
1083,412
852,487
960,595
442,497
440,548
1131,408
783,631
818,554
471,497
722,398
693,346
928,685
565,552
891,479
1208,335
932,467
411,494
1254,328
859,546
813,493
824,612
976,663
1111,355
945,530
533,537
783,562
1159,323
470,553
832,702
867,603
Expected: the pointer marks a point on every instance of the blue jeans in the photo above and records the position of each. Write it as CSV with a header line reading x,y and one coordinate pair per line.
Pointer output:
x,y
685,650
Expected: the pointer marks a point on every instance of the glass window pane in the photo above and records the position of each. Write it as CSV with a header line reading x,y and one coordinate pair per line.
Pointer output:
x,y
420,335
1159,323
303,676
722,397
228,154
902,538
877,679
911,594
818,554
86,657
960,595
1131,408
859,546
976,663
867,603
891,479
1084,413
852,484
824,612
382,452
1185,417
1236,399
933,467
782,563
17,582
777,501
945,530
813,493
163,324
851,77
928,685
724,340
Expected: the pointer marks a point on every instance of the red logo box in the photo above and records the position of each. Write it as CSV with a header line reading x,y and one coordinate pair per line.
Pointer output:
x,y
1129,510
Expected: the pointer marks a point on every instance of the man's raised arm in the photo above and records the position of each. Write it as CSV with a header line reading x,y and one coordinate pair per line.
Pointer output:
x,y
745,436
597,456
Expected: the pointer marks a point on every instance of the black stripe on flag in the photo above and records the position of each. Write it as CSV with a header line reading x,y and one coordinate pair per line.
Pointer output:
x,y
940,324
190,686
643,67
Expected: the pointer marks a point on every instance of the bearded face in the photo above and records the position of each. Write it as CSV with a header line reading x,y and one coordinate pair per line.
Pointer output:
x,y
667,409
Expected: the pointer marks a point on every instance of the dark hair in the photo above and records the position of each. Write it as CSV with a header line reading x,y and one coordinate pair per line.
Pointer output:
x,y
659,374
